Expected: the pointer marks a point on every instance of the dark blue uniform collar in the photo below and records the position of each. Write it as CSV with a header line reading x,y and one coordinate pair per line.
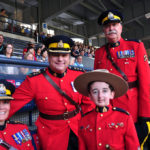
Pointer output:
x,y
2,127
102,109
115,44
59,75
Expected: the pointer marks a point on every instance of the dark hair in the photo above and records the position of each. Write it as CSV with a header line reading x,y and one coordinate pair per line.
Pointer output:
x,y
12,48
45,49
89,86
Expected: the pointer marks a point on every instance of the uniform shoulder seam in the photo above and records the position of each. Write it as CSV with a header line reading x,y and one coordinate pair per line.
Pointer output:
x,y
76,68
134,40
120,110
36,73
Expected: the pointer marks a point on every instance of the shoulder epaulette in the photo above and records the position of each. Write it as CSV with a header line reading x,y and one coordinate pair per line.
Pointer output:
x,y
14,122
135,40
121,110
36,73
76,68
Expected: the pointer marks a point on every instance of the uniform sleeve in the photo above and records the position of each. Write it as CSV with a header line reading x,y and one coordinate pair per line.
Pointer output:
x,y
131,138
23,95
87,105
144,82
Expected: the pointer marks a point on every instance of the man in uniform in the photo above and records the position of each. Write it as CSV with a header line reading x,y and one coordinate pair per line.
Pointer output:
x,y
57,100
128,59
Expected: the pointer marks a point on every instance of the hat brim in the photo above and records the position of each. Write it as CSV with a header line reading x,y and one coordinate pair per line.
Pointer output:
x,y
81,82
59,51
6,98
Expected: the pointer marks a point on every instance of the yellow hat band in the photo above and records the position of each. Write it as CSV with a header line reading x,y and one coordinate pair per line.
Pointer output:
x,y
56,45
8,92
106,18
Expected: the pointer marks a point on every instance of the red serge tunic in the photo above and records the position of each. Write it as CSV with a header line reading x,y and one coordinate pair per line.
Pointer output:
x,y
135,66
53,134
112,130
17,135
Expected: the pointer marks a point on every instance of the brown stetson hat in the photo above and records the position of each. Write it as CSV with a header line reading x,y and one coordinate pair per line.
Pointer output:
x,y
81,82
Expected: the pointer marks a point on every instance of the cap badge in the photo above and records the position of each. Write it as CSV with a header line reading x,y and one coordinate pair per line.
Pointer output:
x,y
110,15
61,44
2,89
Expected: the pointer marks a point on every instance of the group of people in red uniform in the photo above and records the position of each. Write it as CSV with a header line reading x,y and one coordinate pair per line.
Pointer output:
x,y
62,95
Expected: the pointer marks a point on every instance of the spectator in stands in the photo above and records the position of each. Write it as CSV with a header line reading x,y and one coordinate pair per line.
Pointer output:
x,y
82,52
92,54
3,13
44,55
14,134
8,52
78,62
105,127
3,19
30,44
31,50
29,56
75,51
42,37
38,52
57,124
87,53
27,70
72,60
2,46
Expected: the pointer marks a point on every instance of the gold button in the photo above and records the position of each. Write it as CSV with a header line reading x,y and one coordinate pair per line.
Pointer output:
x,y
111,69
99,128
113,48
28,144
46,98
43,127
61,80
65,104
116,126
101,115
69,121
100,144
126,59
4,132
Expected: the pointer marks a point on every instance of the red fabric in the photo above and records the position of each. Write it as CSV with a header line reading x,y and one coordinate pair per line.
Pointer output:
x,y
52,134
136,100
12,129
113,128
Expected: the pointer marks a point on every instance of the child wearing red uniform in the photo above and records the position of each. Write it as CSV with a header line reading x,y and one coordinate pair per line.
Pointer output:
x,y
105,127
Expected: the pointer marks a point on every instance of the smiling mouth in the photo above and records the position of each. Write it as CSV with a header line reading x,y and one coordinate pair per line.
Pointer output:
x,y
2,113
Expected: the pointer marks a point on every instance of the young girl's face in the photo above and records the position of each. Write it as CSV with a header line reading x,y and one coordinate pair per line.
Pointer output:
x,y
4,110
100,93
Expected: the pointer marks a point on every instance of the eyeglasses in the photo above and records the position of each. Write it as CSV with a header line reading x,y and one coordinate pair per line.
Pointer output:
x,y
9,47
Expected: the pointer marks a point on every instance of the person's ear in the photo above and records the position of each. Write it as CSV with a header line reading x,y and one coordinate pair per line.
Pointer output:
x,y
112,95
